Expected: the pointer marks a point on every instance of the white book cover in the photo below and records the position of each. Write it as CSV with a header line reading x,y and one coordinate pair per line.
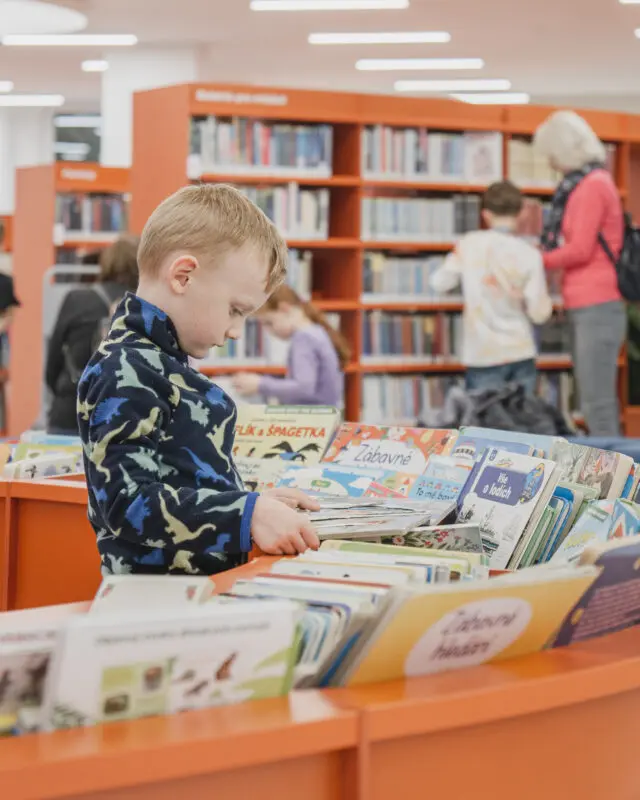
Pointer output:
x,y
504,499
151,592
483,158
162,662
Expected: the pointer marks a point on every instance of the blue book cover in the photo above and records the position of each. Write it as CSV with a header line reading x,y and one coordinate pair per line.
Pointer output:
x,y
544,444
443,479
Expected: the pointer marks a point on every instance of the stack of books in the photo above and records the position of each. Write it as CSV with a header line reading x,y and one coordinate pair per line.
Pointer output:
x,y
243,146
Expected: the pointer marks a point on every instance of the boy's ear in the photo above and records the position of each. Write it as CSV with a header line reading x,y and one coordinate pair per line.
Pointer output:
x,y
487,216
181,272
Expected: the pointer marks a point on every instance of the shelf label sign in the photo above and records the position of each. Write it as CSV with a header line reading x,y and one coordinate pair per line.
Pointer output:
x,y
241,98
71,174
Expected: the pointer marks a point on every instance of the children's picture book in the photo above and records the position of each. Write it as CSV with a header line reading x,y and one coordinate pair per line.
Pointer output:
x,y
404,450
594,525
28,639
603,470
612,602
142,592
295,434
345,481
260,474
463,537
137,664
543,444
45,466
437,628
507,499
443,479
372,526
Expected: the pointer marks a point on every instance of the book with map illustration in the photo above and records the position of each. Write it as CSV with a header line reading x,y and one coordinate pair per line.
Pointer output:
x,y
294,434
405,450
346,481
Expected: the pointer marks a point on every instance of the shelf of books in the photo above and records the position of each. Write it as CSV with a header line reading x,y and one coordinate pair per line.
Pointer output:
x,y
64,213
371,192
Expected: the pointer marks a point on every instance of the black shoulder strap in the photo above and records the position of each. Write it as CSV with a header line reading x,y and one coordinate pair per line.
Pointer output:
x,y
605,246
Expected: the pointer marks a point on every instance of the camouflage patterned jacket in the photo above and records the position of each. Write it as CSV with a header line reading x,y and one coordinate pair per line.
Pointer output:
x,y
164,494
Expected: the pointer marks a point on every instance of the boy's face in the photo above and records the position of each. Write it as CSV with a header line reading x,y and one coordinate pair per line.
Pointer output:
x,y
216,299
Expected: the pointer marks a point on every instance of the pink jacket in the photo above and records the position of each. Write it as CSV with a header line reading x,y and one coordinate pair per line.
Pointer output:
x,y
589,277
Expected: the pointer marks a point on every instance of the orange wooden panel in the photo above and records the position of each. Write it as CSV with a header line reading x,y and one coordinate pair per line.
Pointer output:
x,y
525,120
33,254
7,245
376,109
276,180
272,749
91,178
54,558
160,149
273,103
5,545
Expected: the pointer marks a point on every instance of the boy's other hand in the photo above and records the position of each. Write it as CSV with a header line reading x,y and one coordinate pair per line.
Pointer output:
x,y
294,498
279,530
246,383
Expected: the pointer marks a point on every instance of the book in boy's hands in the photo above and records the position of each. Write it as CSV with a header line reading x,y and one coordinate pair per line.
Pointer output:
x,y
149,592
346,481
612,602
28,639
404,450
295,434
161,662
507,499
437,628
373,526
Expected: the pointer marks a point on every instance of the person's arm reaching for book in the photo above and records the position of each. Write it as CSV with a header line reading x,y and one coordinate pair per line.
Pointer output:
x,y
588,211
448,277
537,301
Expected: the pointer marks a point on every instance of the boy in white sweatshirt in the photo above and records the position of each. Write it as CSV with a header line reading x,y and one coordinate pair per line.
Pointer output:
x,y
504,290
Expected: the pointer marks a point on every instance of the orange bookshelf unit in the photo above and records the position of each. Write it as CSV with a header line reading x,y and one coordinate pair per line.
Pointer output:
x,y
59,207
265,140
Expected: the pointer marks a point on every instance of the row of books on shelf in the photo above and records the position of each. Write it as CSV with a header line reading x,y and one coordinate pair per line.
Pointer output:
x,y
91,213
238,145
419,154
419,219
440,550
425,337
399,278
297,213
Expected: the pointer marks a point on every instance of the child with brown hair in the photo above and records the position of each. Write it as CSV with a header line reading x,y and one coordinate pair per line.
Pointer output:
x,y
164,493
318,354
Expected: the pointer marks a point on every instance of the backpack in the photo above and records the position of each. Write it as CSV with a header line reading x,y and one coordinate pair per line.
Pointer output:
x,y
628,263
99,333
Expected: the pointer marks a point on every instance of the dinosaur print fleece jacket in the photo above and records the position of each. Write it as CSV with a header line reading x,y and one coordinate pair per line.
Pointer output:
x,y
164,494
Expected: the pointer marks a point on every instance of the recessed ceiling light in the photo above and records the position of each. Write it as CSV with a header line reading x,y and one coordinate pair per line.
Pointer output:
x,y
463,85
70,40
497,99
410,37
31,16
96,65
629,2
78,121
396,64
33,100
326,5
637,33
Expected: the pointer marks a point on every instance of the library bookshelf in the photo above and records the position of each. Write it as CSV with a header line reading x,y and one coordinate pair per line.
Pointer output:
x,y
40,241
338,258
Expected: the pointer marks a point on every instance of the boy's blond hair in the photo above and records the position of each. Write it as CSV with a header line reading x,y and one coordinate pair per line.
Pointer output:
x,y
207,220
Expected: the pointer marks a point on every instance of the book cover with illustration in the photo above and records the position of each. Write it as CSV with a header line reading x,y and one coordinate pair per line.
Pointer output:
x,y
260,474
605,471
464,537
506,498
341,481
443,479
163,662
404,450
612,602
28,639
594,525
295,434
440,628
140,592
543,444
46,466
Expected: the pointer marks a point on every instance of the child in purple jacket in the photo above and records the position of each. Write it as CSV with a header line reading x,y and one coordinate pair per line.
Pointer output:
x,y
317,356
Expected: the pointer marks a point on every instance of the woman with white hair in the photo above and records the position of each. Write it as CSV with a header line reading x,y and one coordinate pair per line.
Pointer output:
x,y
586,206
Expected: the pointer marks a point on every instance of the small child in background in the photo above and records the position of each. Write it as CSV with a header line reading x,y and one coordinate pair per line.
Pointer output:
x,y
504,291
317,356
164,493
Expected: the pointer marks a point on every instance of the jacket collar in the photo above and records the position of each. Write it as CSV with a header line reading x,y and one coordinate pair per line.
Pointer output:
x,y
150,322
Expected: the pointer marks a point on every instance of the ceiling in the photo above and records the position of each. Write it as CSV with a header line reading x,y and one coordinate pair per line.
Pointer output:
x,y
553,49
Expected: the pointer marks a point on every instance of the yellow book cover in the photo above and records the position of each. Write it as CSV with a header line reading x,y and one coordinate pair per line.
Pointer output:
x,y
460,625
295,434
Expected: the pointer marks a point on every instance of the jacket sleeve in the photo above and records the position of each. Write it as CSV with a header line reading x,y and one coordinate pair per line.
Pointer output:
x,y
588,209
448,277
126,420
537,300
299,386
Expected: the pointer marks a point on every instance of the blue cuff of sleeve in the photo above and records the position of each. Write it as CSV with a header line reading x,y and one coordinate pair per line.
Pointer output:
x,y
245,524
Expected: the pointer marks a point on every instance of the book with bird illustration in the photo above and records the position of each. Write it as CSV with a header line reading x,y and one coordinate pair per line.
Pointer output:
x,y
294,434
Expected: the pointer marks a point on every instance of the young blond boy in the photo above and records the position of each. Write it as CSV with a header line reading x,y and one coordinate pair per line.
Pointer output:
x,y
505,293
164,494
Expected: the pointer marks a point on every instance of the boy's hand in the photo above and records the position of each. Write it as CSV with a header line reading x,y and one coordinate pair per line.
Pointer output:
x,y
246,383
279,530
294,498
